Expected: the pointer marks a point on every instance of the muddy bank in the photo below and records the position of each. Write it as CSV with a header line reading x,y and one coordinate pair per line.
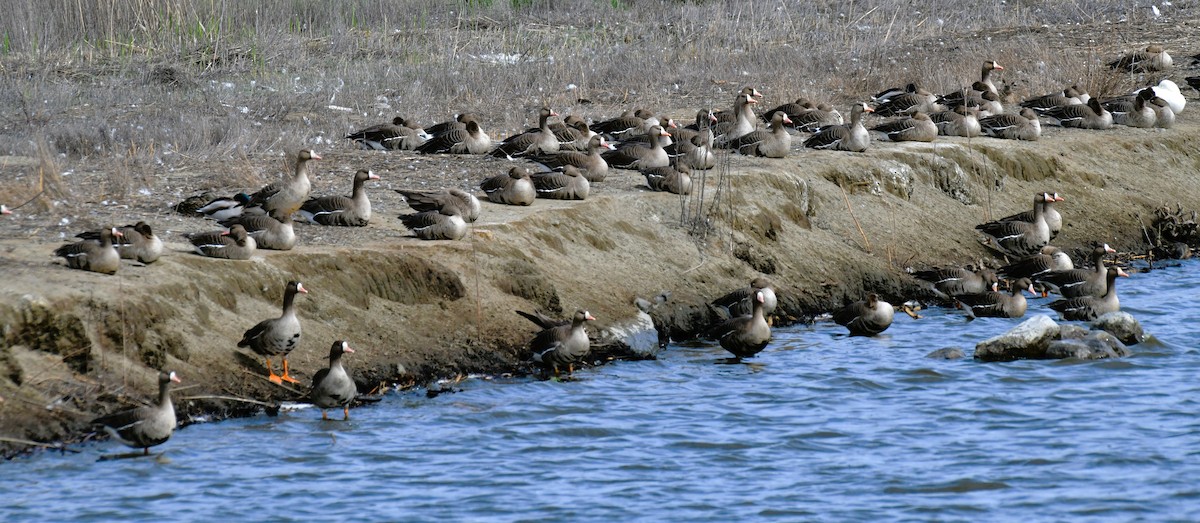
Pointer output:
x,y
824,226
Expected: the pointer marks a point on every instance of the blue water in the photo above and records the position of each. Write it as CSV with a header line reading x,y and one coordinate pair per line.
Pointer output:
x,y
818,427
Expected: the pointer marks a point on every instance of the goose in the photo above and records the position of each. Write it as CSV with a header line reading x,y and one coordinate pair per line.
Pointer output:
x,y
824,115
285,196
1050,213
853,137
1091,115
459,201
561,345
514,188
696,151
397,135
639,156
233,244
332,386
866,317
792,109
675,178
593,165
539,141
1041,104
628,124
995,304
136,242
917,128
962,121
1087,308
949,282
442,224
224,208
570,184
772,143
724,116
1138,112
352,211
740,302
277,336
1023,126
146,426
268,232
1164,117
95,256
471,139
747,335
1074,283
983,85
1169,92
743,123
1019,238
704,120
575,135
916,99
1154,58
458,123
1049,258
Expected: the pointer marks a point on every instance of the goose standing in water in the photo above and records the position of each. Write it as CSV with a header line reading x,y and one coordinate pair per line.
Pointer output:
x,y
332,387
147,426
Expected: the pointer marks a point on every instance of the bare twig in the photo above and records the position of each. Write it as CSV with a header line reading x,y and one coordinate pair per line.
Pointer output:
x,y
855,218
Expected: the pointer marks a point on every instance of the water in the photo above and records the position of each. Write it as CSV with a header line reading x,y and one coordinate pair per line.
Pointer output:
x,y
819,426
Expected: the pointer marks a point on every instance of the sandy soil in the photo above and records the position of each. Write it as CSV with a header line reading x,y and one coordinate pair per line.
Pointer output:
x,y
825,226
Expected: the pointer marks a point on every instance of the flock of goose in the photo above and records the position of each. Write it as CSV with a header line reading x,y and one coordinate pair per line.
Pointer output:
x,y
565,157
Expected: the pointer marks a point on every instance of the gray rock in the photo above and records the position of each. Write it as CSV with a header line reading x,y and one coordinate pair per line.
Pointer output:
x,y
1063,349
1028,340
947,353
1122,325
1107,342
1097,345
1070,331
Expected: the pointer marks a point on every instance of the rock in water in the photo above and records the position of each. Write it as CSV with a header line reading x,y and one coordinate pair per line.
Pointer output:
x,y
947,353
1028,340
1122,325
1096,346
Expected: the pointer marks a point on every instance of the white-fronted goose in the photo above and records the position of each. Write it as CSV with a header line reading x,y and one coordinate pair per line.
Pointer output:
x,y
1154,58
988,103
908,103
514,188
352,211
593,165
704,120
985,75
812,121
398,135
1168,91
286,196
696,151
147,426
469,140
747,335
233,244
962,121
792,109
444,224
457,201
774,142
917,128
332,386
1024,126
995,304
983,85
866,317
277,336
575,135
1053,219
672,178
1133,111
743,123
569,184
136,242
95,256
640,156
628,124
740,302
458,123
562,345
225,208
724,116
1082,116
853,137
1091,307
539,141
1041,104
1018,238
1050,258
267,232
956,281
1081,282
1164,117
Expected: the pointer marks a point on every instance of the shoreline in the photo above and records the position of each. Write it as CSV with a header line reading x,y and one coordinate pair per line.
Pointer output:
x,y
80,344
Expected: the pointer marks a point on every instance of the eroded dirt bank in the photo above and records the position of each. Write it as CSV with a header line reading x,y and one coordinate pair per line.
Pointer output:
x,y
78,344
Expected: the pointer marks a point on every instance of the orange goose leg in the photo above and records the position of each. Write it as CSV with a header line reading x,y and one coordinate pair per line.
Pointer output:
x,y
346,413
285,376
274,378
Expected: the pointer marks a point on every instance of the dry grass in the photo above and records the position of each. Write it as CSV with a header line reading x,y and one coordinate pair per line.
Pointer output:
x,y
158,84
